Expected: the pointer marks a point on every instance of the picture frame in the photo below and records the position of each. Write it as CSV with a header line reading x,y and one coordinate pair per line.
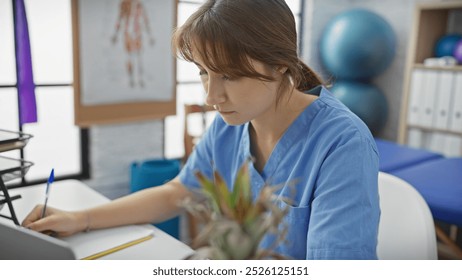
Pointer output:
x,y
124,69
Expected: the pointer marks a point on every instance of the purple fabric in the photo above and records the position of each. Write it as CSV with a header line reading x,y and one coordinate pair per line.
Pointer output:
x,y
26,87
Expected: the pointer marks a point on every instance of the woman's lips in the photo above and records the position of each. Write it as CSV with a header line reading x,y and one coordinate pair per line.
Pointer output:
x,y
226,112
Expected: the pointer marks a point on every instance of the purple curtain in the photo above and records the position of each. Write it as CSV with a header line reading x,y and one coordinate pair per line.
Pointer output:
x,y
25,79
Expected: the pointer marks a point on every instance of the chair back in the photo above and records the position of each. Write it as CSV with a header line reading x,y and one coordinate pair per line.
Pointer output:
x,y
190,139
406,228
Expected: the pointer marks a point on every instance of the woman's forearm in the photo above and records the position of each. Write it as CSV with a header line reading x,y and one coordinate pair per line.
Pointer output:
x,y
145,206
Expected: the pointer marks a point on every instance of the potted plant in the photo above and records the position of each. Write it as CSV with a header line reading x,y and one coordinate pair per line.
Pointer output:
x,y
233,223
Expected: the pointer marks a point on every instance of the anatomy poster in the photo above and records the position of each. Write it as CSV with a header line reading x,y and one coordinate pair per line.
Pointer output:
x,y
124,51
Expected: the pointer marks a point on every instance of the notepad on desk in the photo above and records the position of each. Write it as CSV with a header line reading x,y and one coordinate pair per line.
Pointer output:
x,y
98,243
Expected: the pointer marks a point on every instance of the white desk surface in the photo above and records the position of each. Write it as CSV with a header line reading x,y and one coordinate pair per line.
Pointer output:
x,y
75,195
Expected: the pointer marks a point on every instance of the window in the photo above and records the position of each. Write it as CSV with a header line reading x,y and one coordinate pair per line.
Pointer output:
x,y
189,88
57,142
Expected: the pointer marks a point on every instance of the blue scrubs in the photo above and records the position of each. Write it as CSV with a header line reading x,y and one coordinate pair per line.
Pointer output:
x,y
331,155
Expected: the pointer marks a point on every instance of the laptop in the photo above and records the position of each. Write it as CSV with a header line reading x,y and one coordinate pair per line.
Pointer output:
x,y
19,243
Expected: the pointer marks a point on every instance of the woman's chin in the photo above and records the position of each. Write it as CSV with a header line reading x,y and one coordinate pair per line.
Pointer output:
x,y
231,119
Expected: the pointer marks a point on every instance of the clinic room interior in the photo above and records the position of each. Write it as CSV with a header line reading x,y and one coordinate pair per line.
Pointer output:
x,y
94,97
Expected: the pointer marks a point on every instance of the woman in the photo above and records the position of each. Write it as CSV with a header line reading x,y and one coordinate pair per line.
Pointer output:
x,y
272,108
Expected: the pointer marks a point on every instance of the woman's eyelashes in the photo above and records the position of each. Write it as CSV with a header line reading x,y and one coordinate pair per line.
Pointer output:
x,y
204,73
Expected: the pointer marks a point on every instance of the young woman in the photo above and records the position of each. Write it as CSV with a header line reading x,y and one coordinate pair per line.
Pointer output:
x,y
272,108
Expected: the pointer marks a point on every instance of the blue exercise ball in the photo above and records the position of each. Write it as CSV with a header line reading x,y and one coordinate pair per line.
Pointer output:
x,y
365,100
357,44
446,45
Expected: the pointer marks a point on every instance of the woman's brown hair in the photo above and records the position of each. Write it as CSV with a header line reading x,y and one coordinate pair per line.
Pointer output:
x,y
225,33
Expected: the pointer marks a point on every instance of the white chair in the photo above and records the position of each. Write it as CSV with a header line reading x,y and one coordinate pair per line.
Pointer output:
x,y
406,228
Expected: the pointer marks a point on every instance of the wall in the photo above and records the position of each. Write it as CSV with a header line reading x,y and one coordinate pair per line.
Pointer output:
x,y
114,147
399,15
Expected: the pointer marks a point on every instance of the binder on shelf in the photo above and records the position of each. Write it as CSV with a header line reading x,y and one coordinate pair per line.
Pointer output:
x,y
429,91
455,120
435,142
415,97
443,100
415,138
453,146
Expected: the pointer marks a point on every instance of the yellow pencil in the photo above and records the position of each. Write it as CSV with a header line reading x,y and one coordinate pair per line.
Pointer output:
x,y
117,248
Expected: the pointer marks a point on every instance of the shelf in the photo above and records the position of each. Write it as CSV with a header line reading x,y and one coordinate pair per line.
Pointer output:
x,y
444,68
430,129
431,21
440,6
13,168
11,140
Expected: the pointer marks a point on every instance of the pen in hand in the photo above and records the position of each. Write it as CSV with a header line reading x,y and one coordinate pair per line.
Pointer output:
x,y
47,192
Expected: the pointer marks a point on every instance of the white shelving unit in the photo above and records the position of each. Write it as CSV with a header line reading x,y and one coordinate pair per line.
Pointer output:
x,y
431,112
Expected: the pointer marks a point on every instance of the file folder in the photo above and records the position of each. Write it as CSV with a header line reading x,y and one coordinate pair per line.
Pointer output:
x,y
415,138
415,105
429,90
443,100
455,122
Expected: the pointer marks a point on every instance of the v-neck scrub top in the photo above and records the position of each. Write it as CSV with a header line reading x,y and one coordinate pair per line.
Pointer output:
x,y
328,163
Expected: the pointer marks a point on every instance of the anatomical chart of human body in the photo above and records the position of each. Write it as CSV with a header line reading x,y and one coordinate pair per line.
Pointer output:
x,y
125,53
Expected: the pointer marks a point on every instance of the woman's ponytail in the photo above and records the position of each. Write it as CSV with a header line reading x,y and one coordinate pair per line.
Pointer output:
x,y
308,78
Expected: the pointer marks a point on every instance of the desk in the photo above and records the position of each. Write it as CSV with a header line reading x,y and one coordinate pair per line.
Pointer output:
x,y
75,195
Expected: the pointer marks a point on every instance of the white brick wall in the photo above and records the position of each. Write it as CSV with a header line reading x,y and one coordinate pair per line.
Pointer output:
x,y
114,147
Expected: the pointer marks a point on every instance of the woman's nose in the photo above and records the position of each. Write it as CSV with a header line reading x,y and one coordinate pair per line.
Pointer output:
x,y
215,92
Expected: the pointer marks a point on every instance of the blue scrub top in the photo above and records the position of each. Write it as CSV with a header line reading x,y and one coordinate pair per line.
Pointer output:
x,y
331,155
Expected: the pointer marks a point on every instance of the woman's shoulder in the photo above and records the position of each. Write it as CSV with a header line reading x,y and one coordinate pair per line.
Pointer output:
x,y
333,120
334,111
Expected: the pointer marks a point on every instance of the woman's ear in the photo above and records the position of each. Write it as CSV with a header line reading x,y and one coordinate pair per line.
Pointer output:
x,y
282,69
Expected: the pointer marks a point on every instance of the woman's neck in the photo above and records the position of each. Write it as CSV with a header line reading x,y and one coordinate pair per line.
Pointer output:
x,y
266,131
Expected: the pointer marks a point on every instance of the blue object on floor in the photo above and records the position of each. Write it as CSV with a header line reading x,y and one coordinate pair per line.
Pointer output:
x,y
154,173
393,156
440,183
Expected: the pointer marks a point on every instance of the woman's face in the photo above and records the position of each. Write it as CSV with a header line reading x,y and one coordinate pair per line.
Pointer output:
x,y
240,100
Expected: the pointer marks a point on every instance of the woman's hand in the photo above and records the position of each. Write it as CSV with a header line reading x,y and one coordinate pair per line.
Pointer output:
x,y
56,222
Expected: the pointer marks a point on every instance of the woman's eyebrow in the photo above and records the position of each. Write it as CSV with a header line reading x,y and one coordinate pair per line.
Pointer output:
x,y
197,64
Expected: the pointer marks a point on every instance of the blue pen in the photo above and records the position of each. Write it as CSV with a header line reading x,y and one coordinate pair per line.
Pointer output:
x,y
47,192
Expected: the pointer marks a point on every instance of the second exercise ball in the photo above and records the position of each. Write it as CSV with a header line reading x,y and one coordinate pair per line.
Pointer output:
x,y
446,45
357,44
458,52
365,100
